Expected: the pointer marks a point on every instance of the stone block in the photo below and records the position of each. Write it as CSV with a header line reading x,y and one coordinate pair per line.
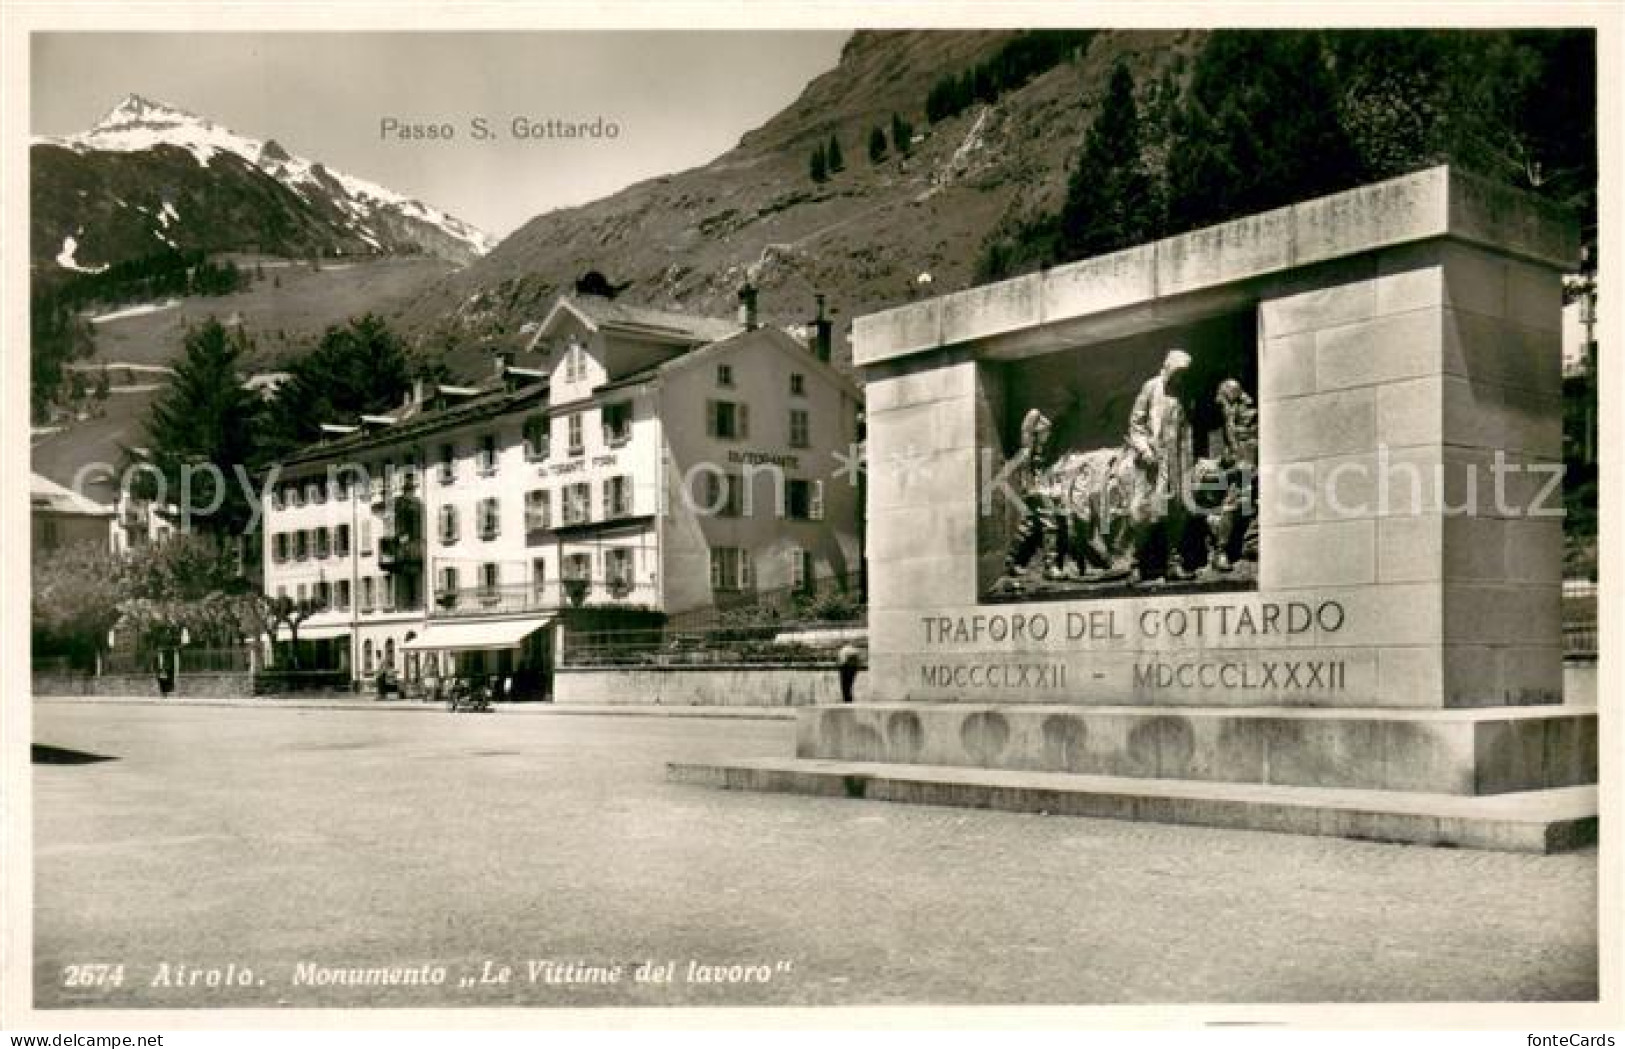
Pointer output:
x,y
1234,251
1474,549
1411,412
893,333
1410,676
1502,614
1318,425
1409,277
1409,549
991,309
1533,549
941,476
1331,553
953,377
1378,350
1317,307
1534,296
1489,350
940,528
1346,487
922,582
1508,418
1123,278
1396,211
1286,366
1515,223
1287,494
1475,281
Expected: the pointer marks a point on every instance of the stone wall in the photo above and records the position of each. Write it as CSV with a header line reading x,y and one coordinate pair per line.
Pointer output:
x,y
231,685
718,686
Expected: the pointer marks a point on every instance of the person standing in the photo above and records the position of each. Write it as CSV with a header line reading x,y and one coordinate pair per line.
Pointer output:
x,y
1159,435
848,662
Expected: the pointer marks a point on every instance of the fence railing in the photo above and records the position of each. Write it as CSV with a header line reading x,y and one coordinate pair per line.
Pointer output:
x,y
833,597
775,643
1579,618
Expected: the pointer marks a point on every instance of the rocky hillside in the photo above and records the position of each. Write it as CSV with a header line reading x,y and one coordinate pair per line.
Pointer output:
x,y
864,237
149,177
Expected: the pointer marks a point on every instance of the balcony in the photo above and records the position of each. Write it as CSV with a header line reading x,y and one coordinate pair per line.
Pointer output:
x,y
549,597
397,553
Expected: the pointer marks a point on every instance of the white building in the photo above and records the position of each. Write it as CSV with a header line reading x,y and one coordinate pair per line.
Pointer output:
x,y
631,464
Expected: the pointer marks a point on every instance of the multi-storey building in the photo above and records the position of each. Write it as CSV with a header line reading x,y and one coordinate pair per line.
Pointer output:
x,y
624,462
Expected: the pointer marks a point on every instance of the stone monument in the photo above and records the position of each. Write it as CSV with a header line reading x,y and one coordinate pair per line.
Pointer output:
x,y
1258,526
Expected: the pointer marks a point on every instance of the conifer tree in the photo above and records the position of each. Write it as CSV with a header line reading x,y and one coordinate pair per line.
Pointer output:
x,y
877,145
832,156
1110,200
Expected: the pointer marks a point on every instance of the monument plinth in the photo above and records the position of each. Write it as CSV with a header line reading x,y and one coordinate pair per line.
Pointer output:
x,y
1256,526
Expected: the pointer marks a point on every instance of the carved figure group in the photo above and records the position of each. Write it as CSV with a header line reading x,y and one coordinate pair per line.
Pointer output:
x,y
1126,512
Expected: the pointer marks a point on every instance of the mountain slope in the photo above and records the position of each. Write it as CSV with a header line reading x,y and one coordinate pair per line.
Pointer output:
x,y
863,238
149,177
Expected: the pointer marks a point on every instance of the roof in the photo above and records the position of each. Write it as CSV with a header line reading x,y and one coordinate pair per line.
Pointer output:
x,y
46,495
488,404
599,313
764,336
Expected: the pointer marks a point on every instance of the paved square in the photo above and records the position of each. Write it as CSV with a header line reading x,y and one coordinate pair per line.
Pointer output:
x,y
303,845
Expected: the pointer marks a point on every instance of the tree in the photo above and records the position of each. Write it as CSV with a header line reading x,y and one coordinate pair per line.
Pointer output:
x,y
832,155
816,166
205,420
290,612
359,368
1258,129
877,145
902,135
76,593
1110,202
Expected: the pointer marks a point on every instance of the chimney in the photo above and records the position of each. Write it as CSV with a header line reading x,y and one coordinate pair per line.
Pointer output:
x,y
417,394
747,306
499,364
819,342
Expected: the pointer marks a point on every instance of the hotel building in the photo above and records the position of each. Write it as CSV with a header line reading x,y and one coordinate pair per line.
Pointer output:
x,y
625,465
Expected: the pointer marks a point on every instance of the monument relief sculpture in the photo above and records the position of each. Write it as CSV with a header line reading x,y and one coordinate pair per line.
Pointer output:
x,y
1122,516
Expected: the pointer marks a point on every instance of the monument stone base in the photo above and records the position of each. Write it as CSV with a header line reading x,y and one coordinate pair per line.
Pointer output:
x,y
1510,778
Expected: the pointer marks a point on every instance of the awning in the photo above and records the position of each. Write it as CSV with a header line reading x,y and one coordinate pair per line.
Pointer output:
x,y
315,631
481,636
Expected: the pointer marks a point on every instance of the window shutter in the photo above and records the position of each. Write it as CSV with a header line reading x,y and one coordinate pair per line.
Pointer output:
x,y
743,416
710,418
815,500
747,570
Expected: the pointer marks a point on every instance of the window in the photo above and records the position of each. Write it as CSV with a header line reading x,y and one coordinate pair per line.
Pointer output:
x,y
302,593
316,493
577,568
490,519
536,437
366,537
296,495
804,500
448,524
577,503
490,574
575,363
538,576
727,420
341,485
798,384
801,568
279,547
538,510
341,544
324,543
800,428
725,375
343,595
617,423
618,571
730,569
278,502
301,545
448,580
724,494
617,496
386,594
488,454
385,477
577,442
366,654
282,593
448,463
324,594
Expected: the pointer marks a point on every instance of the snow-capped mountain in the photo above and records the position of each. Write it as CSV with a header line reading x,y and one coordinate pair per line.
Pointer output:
x,y
149,176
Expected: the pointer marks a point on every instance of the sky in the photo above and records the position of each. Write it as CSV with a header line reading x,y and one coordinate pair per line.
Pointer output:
x,y
676,99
